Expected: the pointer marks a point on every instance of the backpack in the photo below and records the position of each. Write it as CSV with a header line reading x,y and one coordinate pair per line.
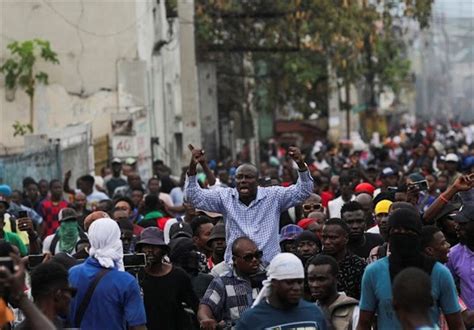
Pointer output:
x,y
54,242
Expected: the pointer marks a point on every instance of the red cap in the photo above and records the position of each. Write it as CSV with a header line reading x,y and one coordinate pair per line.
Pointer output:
x,y
304,223
364,187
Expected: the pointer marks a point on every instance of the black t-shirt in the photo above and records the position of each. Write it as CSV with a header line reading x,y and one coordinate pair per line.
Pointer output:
x,y
200,283
113,183
371,240
163,297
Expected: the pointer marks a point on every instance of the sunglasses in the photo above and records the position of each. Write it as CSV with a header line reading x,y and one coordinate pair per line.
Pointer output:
x,y
249,257
315,206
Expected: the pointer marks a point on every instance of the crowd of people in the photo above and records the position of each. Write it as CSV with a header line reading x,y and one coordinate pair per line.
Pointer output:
x,y
329,236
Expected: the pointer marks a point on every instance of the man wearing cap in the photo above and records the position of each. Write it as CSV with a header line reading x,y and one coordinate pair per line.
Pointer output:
x,y
116,179
364,187
307,245
451,167
389,178
217,244
405,247
249,210
461,256
279,304
381,217
288,236
67,235
165,287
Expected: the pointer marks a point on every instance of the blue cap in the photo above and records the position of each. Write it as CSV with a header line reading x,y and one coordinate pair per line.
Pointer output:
x,y
290,232
5,190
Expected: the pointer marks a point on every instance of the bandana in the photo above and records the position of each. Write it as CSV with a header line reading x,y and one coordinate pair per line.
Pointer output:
x,y
284,266
106,246
68,234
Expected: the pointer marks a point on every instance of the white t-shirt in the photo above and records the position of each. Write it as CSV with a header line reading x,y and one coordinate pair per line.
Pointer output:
x,y
166,230
374,230
47,244
335,206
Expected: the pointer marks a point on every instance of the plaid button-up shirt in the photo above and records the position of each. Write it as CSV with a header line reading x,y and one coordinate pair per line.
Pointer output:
x,y
259,220
228,296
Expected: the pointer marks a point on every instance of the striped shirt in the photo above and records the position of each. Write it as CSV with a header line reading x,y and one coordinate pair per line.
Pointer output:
x,y
228,296
259,220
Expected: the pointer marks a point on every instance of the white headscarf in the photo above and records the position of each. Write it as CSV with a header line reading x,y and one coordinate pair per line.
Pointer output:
x,y
284,266
106,246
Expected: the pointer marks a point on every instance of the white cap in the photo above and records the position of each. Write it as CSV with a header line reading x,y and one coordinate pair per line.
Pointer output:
x,y
451,158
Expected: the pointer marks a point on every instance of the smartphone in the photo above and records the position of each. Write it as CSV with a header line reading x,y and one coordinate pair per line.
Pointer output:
x,y
8,263
22,214
422,185
35,260
134,260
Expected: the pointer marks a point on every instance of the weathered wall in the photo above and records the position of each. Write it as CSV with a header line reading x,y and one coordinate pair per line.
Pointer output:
x,y
88,43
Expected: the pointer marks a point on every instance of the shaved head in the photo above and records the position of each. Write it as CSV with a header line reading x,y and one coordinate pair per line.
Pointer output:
x,y
247,167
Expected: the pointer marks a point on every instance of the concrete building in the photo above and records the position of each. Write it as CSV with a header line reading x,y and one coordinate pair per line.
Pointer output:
x,y
120,72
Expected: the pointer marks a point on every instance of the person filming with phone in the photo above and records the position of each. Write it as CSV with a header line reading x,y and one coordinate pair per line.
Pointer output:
x,y
249,210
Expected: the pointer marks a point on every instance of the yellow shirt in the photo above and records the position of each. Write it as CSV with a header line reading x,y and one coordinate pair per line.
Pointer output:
x,y
8,228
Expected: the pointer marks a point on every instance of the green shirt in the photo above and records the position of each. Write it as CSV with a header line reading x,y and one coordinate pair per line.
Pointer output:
x,y
14,239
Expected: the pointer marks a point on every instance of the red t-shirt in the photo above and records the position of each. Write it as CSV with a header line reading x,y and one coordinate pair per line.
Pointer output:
x,y
49,210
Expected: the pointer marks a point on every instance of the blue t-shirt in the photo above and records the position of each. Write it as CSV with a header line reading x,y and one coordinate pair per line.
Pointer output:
x,y
116,302
263,316
377,293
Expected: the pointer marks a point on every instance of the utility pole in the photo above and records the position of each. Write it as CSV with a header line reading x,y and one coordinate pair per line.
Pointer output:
x,y
189,80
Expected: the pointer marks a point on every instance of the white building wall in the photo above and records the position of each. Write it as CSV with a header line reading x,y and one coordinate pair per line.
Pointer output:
x,y
89,37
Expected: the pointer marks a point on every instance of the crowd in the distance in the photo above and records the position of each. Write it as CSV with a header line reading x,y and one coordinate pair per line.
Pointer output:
x,y
346,236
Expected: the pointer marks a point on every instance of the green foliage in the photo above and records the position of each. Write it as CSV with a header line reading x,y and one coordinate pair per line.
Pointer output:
x,y
298,39
19,71
21,129
19,68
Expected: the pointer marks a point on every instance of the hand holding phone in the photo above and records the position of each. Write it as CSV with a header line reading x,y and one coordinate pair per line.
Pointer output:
x,y
22,214
25,224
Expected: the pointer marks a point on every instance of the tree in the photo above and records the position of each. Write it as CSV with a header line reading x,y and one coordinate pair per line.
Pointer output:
x,y
20,71
296,41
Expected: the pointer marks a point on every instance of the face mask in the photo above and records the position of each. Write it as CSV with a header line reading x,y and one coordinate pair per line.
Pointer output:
x,y
68,234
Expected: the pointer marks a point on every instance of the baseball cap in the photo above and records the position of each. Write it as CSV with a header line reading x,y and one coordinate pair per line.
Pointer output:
x,y
304,223
181,229
383,206
465,214
451,158
387,171
67,214
290,232
116,160
130,161
364,187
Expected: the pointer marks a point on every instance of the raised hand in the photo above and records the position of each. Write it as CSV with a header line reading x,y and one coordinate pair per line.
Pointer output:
x,y
295,154
198,156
